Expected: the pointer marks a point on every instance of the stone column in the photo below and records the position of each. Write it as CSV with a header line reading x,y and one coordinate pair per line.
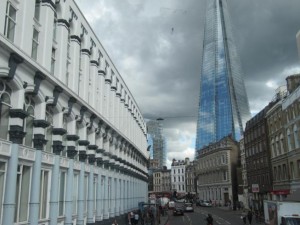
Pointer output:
x,y
74,66
101,80
85,72
107,96
99,192
57,149
81,183
38,141
16,135
93,83
71,153
90,206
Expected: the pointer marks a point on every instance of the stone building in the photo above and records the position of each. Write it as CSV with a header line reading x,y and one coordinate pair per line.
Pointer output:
x,y
73,146
257,157
178,176
162,180
216,172
285,148
190,178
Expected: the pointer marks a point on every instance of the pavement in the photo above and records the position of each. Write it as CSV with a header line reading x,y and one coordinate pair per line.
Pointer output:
x,y
240,212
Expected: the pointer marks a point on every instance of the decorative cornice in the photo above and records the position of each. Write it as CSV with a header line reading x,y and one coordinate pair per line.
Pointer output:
x,y
41,123
92,147
63,21
86,51
94,62
71,102
56,92
82,156
91,159
16,134
107,81
57,147
75,37
59,131
50,2
83,142
71,152
39,141
102,72
13,62
38,78
72,137
93,116
99,161
100,150
113,88
82,111
18,113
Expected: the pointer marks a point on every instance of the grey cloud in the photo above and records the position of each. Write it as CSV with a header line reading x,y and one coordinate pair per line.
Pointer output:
x,y
166,74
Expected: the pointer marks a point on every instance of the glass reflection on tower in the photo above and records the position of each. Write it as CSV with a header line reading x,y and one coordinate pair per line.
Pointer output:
x,y
223,103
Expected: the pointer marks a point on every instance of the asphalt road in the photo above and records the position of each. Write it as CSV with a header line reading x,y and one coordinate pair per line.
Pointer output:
x,y
222,216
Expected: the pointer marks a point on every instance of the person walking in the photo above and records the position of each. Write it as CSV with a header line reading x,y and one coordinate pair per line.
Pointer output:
x,y
136,218
209,219
244,218
249,216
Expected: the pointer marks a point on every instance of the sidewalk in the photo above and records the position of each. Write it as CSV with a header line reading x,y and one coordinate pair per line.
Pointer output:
x,y
163,220
239,213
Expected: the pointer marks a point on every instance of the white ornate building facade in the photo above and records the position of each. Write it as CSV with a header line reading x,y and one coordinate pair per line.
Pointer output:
x,y
73,146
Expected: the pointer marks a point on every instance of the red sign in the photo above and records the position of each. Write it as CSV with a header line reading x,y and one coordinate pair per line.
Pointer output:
x,y
255,188
281,192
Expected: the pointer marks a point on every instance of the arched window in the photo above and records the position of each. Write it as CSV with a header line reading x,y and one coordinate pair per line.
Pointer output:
x,y
296,137
283,150
289,139
49,118
5,105
278,151
28,122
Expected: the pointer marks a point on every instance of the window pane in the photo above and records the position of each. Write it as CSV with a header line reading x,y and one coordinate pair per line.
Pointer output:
x,y
2,175
61,193
12,12
24,193
4,121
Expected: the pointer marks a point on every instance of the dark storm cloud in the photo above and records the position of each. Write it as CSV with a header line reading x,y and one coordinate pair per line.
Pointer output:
x,y
157,48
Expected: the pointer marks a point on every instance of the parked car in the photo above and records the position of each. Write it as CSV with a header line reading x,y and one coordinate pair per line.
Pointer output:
x,y
205,203
179,208
188,207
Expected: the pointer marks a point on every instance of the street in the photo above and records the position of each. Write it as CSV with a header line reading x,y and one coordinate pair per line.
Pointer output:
x,y
222,216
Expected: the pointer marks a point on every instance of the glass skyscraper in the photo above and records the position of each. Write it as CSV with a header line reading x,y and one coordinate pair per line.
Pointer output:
x,y
154,129
223,103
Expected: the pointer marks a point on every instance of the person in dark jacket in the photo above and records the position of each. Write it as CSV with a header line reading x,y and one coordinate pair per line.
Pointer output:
x,y
249,216
209,219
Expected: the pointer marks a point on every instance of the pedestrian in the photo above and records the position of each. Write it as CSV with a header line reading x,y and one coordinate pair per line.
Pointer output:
x,y
249,216
131,218
136,218
115,222
209,219
244,218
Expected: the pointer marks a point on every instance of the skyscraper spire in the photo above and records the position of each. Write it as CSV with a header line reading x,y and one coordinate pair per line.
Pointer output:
x,y
223,102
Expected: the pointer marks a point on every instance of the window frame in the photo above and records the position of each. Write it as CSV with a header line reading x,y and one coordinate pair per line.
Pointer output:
x,y
9,19
35,43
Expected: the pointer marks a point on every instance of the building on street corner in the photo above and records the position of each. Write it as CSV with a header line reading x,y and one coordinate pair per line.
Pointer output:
x,y
73,147
216,172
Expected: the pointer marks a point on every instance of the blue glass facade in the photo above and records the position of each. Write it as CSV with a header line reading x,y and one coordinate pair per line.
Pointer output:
x,y
223,102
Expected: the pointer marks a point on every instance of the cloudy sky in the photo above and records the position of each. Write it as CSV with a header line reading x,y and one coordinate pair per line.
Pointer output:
x,y
156,46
